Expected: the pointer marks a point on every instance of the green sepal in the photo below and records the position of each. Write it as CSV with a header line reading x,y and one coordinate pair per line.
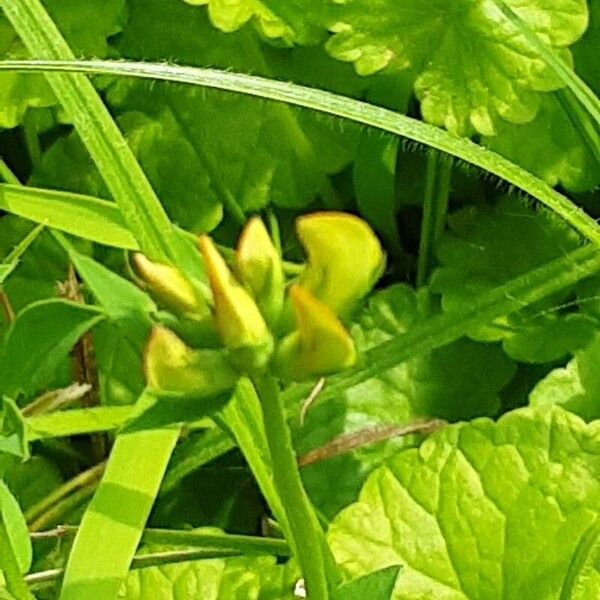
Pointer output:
x,y
320,345
173,367
345,259
260,269
238,320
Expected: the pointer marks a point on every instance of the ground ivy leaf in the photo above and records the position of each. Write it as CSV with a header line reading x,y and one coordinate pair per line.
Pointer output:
x,y
243,578
474,67
291,22
259,152
549,147
86,27
489,245
576,386
448,383
481,510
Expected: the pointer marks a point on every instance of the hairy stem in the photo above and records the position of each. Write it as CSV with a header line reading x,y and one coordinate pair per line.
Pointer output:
x,y
339,106
308,541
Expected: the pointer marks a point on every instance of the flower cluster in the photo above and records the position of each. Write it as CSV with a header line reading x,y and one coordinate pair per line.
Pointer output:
x,y
251,319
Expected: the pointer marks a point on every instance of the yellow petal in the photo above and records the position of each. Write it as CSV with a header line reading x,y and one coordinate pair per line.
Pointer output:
x,y
171,366
345,258
259,266
319,346
171,288
238,320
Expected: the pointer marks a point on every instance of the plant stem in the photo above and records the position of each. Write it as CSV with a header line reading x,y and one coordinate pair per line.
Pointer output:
x,y
435,206
580,121
7,174
83,480
244,544
307,541
339,106
59,511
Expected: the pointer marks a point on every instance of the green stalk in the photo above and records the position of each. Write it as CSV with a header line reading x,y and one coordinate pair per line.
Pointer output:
x,y
59,511
243,544
435,207
7,175
339,106
580,121
82,480
308,541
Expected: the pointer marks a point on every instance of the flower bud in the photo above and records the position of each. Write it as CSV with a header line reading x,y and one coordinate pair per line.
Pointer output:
x,y
320,345
171,288
259,268
238,320
345,259
171,366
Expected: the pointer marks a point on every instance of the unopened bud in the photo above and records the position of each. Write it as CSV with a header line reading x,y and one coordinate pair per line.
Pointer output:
x,y
320,345
238,320
259,267
171,366
171,288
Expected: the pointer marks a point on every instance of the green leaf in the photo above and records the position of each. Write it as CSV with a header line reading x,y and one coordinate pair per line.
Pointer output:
x,y
120,298
548,146
171,164
84,216
40,338
13,440
117,515
575,387
77,421
291,22
118,344
85,26
378,585
239,578
12,260
36,275
475,67
238,152
123,176
243,418
446,383
481,510
32,481
488,246
13,520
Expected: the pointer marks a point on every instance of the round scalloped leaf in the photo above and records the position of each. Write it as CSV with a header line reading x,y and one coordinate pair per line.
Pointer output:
x,y
481,510
550,147
473,65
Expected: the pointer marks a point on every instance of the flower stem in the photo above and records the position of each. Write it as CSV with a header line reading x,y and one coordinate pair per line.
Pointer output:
x,y
308,541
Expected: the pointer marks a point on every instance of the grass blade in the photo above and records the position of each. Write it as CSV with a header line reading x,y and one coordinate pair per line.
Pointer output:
x,y
124,178
84,216
12,260
112,526
339,106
